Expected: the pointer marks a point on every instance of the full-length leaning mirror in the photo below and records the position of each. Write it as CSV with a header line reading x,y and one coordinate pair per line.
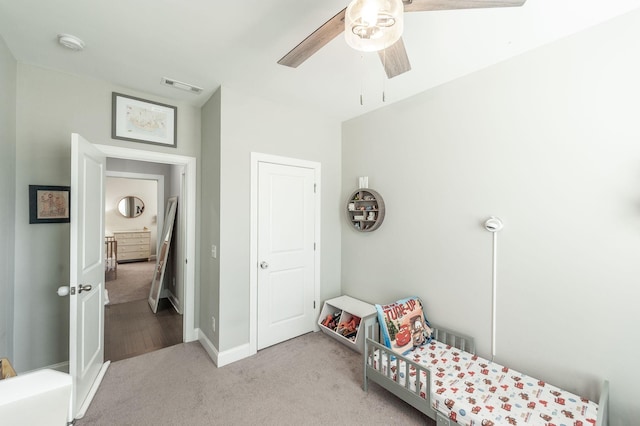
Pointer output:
x,y
163,255
131,206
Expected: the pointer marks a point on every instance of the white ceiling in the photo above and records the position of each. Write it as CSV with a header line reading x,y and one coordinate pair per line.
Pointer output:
x,y
208,43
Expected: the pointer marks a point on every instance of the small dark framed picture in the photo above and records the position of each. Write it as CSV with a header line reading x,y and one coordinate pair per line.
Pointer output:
x,y
49,204
139,120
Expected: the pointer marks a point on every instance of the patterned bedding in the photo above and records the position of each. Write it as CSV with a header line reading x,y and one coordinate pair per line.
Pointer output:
x,y
476,392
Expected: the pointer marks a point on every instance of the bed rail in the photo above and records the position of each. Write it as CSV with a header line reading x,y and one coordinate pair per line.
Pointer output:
x,y
453,338
417,397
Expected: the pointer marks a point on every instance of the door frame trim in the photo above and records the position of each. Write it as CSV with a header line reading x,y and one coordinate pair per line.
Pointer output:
x,y
187,209
257,158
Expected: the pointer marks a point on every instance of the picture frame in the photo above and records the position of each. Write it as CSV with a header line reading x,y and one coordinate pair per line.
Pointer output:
x,y
49,204
140,120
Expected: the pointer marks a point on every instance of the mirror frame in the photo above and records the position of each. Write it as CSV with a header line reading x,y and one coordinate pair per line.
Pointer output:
x,y
161,260
123,206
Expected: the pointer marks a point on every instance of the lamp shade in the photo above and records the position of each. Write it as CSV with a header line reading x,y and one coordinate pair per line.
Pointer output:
x,y
372,25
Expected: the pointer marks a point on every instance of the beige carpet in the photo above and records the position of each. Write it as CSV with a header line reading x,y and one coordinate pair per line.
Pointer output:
x,y
133,282
310,380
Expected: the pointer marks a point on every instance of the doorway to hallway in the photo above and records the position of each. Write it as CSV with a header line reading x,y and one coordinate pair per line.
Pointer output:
x,y
134,207
183,184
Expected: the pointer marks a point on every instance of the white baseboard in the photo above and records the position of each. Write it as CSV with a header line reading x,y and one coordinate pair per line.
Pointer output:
x,y
233,355
62,367
220,359
175,302
208,346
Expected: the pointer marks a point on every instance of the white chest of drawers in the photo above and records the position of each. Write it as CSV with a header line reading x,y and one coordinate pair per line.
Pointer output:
x,y
133,245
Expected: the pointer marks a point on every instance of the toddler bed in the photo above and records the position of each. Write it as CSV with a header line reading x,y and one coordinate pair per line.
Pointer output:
x,y
444,379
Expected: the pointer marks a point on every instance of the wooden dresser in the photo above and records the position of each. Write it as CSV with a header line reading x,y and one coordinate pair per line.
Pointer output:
x,y
133,245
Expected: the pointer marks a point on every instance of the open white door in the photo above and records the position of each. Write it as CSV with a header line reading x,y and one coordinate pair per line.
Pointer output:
x,y
86,323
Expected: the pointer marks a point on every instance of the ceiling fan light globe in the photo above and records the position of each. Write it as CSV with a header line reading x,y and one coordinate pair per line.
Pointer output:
x,y
372,25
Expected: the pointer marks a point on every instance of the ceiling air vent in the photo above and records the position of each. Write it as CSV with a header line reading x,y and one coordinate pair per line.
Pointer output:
x,y
182,86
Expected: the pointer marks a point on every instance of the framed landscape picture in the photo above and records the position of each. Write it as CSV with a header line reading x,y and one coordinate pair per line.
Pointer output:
x,y
49,204
139,120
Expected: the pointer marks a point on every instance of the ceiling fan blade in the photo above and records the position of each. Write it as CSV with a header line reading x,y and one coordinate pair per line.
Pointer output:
x,y
315,41
423,5
394,59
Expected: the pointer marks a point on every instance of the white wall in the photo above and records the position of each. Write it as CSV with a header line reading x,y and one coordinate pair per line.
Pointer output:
x,y
8,68
548,141
249,124
50,106
147,190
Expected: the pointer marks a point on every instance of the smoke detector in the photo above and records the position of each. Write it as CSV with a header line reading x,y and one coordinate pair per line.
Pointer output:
x,y
181,85
70,42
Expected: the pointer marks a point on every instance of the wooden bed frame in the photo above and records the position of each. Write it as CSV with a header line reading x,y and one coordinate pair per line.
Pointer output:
x,y
413,398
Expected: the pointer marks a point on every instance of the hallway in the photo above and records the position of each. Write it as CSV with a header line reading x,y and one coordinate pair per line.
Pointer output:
x,y
130,327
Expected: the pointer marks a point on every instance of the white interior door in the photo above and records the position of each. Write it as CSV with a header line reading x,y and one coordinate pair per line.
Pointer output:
x,y
86,324
286,261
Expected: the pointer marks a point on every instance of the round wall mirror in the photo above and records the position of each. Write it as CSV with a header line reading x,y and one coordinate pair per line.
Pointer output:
x,y
131,206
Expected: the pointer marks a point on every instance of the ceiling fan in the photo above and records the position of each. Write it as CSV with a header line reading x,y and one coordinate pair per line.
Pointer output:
x,y
380,31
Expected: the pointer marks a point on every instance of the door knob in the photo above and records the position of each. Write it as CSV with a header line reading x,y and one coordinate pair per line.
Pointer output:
x,y
82,288
264,265
63,290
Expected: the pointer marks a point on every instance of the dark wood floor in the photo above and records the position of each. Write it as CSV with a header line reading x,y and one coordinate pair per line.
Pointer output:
x,y
132,329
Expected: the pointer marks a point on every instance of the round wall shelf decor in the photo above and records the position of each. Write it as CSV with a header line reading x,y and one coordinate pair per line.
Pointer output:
x,y
365,210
